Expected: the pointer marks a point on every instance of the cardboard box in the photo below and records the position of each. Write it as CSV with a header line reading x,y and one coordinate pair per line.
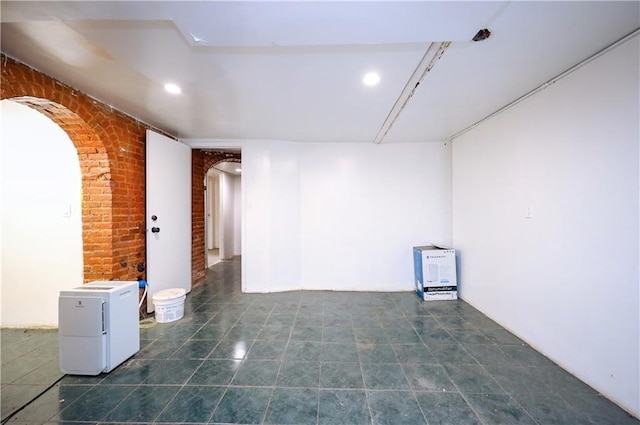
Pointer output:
x,y
435,273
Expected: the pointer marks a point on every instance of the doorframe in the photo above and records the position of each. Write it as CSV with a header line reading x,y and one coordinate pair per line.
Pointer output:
x,y
236,147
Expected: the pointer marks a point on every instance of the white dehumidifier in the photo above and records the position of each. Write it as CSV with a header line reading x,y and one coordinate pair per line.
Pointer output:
x,y
98,326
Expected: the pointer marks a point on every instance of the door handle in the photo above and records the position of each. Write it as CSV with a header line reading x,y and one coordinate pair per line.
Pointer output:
x,y
155,230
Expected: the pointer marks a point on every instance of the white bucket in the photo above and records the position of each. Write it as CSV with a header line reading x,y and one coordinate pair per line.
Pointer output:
x,y
169,304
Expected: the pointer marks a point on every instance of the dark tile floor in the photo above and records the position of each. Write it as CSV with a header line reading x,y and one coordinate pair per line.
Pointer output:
x,y
311,358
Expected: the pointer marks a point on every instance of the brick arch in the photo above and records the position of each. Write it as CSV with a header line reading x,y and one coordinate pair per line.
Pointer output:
x,y
212,158
96,184
111,149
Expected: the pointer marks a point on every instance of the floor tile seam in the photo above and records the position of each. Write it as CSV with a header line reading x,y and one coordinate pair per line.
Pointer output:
x,y
466,399
366,395
168,403
103,419
266,409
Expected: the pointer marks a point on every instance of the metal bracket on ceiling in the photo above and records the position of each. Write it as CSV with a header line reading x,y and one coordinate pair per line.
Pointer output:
x,y
428,61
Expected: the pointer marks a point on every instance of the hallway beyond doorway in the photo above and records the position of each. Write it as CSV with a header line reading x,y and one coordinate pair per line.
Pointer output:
x,y
213,257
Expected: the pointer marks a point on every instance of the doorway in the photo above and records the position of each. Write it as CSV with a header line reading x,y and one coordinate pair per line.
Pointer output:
x,y
42,247
223,211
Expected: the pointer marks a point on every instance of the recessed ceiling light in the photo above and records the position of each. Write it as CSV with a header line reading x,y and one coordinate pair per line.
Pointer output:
x,y
172,88
371,79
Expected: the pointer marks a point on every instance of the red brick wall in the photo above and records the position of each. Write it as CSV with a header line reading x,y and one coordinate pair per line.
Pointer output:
x,y
198,269
110,147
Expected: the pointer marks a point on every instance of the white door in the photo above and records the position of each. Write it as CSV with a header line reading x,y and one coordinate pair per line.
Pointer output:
x,y
168,213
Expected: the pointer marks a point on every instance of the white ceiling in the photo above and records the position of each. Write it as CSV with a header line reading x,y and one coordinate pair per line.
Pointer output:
x,y
292,70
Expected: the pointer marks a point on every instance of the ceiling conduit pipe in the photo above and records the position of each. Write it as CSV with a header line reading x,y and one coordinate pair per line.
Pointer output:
x,y
543,86
428,61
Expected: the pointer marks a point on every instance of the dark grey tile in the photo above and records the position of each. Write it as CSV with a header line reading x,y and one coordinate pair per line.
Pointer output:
x,y
501,336
519,379
334,319
210,331
299,374
192,404
171,371
436,335
159,349
48,371
306,333
267,350
230,349
487,354
598,409
275,332
50,403
525,356
454,321
336,334
253,318
451,354
402,336
394,408
469,336
196,318
131,372
281,319
143,404
365,321
308,317
549,409
376,353
195,349
214,372
259,373
293,406
384,376
370,336
181,331
340,375
19,367
343,407
240,333
95,404
242,406
446,409
428,378
472,379
413,353
498,409
339,352
303,351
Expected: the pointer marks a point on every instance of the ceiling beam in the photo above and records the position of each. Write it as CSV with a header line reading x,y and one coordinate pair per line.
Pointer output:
x,y
426,64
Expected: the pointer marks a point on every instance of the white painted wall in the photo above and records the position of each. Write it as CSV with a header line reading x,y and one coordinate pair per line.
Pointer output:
x,y
567,280
237,215
341,216
213,209
230,219
41,247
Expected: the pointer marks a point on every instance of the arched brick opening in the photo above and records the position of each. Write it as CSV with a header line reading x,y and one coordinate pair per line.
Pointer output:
x,y
111,149
96,185
212,158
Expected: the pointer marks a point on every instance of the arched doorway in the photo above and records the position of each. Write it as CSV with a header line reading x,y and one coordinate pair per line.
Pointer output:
x,y
95,169
41,217
222,205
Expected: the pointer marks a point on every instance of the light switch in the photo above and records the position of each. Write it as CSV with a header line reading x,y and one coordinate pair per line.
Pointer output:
x,y
529,212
